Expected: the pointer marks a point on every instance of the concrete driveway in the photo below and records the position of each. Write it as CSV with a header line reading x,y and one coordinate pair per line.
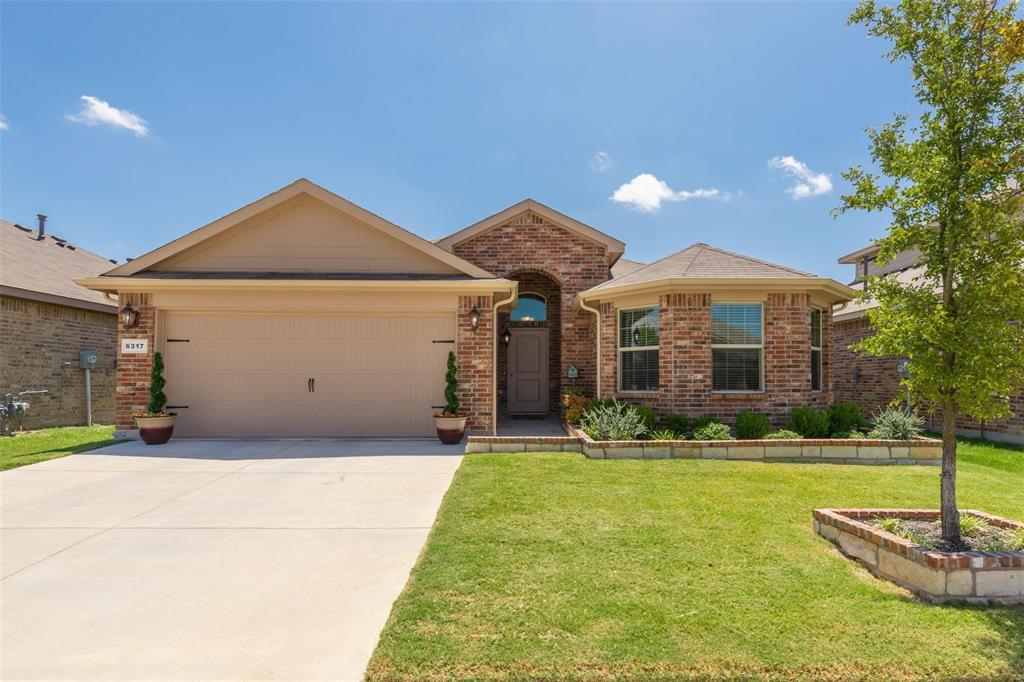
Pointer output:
x,y
211,559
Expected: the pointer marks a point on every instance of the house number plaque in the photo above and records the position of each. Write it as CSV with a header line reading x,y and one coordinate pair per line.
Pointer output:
x,y
134,346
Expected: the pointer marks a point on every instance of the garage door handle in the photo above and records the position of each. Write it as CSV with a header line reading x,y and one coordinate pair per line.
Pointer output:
x,y
313,381
176,407
309,385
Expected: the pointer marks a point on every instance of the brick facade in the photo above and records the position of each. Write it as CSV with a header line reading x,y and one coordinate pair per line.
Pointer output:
x,y
133,371
41,344
873,383
684,359
538,283
528,244
474,356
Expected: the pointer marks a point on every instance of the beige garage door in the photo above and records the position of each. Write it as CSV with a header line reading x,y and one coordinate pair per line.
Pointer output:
x,y
305,375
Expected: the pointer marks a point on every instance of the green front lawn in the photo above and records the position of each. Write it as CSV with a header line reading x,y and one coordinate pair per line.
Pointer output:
x,y
29,447
552,566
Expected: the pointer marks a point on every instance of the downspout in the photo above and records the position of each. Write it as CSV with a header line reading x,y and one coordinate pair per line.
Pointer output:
x,y
597,315
494,356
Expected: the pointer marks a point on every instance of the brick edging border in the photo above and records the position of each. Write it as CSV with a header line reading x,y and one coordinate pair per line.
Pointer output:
x,y
978,577
925,451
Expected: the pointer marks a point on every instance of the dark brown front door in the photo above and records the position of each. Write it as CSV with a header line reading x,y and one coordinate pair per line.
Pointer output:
x,y
528,371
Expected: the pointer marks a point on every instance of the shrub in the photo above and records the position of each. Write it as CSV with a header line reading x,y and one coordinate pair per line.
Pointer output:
x,y
752,425
783,434
891,524
712,431
843,418
895,424
665,434
614,421
647,414
855,435
157,399
574,404
969,525
598,403
702,421
679,423
808,422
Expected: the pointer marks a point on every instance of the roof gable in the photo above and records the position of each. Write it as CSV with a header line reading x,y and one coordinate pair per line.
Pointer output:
x,y
301,228
614,247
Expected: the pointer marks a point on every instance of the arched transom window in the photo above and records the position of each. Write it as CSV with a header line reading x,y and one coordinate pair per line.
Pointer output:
x,y
530,307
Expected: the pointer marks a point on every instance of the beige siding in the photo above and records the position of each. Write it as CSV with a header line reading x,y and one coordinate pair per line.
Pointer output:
x,y
304,235
248,374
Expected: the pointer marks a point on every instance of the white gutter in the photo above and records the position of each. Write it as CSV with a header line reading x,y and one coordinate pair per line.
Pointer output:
x,y
597,314
513,293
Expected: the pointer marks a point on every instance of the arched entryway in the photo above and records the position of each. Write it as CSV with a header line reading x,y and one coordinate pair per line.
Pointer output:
x,y
529,346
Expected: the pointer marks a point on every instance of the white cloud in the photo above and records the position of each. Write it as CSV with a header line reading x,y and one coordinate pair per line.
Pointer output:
x,y
810,184
97,112
601,162
3,122
646,193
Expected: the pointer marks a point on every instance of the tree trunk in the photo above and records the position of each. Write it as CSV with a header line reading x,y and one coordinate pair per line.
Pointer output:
x,y
950,514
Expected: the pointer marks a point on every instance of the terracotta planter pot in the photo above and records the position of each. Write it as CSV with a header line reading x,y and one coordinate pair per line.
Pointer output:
x,y
156,430
450,429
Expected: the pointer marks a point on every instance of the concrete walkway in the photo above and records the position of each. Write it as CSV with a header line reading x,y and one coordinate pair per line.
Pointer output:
x,y
212,559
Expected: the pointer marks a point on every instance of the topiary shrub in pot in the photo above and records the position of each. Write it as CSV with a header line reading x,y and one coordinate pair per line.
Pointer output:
x,y
450,423
155,425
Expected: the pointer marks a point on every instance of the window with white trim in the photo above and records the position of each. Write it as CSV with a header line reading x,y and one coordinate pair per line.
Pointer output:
x,y
815,349
737,348
639,333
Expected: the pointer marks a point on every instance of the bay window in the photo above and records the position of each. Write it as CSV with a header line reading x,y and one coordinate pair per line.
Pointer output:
x,y
737,348
639,333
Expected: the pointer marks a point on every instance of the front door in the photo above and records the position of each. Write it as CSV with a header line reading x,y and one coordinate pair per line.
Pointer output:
x,y
528,371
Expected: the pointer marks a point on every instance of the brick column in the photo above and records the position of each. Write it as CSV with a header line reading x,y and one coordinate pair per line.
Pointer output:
x,y
474,354
132,394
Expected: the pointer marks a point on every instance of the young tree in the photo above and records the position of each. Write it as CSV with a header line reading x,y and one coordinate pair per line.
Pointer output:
x,y
952,184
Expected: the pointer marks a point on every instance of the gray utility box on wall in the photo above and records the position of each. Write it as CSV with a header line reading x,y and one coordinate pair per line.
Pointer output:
x,y
87,359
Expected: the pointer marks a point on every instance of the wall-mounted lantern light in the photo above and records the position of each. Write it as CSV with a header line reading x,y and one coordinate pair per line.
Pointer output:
x,y
506,337
474,318
129,316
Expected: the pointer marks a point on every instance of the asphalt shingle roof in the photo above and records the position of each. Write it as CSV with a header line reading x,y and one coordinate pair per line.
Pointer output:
x,y
49,265
702,261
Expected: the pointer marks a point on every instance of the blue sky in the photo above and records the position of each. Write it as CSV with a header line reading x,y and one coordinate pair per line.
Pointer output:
x,y
437,115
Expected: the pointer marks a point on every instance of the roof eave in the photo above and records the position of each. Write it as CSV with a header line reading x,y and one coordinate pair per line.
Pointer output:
x,y
837,292
145,285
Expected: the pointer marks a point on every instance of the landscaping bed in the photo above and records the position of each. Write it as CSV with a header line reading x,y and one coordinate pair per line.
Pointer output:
x,y
544,566
920,565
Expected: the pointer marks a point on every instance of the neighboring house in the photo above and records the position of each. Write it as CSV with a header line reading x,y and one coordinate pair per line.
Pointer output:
x,y
873,382
303,314
46,320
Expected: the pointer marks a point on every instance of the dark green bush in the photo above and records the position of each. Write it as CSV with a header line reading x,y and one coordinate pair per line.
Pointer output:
x,y
843,418
808,422
679,423
752,425
702,421
647,415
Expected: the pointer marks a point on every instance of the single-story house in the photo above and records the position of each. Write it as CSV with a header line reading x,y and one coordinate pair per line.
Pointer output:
x,y
47,320
303,314
874,382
